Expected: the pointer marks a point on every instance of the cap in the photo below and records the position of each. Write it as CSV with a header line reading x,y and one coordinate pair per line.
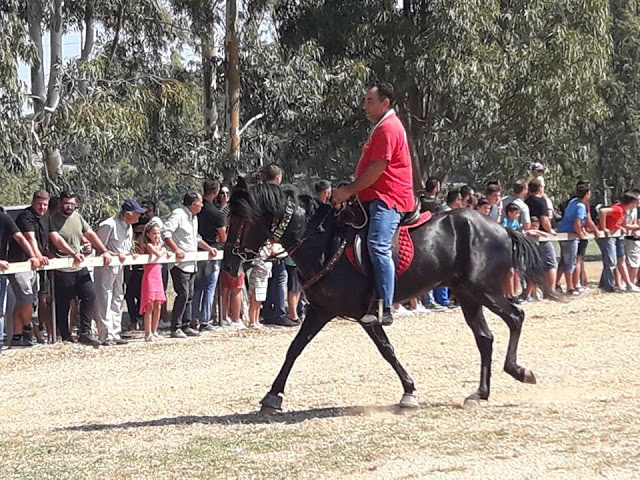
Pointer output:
x,y
132,206
537,166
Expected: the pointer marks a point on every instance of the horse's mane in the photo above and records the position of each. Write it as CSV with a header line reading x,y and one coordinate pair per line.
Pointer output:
x,y
251,202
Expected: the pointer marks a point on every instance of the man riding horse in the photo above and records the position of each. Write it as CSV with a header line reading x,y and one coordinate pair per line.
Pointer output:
x,y
383,182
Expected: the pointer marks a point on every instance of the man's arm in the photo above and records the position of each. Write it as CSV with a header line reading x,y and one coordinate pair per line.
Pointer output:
x,y
99,246
64,247
368,178
171,225
24,244
222,234
545,223
33,242
577,226
206,247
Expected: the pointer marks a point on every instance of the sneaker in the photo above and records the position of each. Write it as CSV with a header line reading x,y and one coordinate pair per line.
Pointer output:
x,y
401,310
526,298
572,293
178,334
438,308
89,340
190,332
225,323
633,289
421,309
371,318
283,321
207,327
238,325
157,336
120,341
256,326
149,338
20,341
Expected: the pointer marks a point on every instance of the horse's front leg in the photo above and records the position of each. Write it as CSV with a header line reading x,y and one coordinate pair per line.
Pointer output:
x,y
381,340
315,321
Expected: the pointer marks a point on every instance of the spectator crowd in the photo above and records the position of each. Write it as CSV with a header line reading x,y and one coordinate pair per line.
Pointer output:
x,y
207,299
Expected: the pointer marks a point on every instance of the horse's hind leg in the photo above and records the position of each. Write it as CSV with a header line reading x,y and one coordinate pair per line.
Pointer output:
x,y
381,340
472,310
314,321
514,318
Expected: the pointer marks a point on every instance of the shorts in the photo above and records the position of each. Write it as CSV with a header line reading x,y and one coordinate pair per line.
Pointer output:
x,y
293,280
23,285
229,282
44,280
548,255
632,251
619,247
568,255
259,280
582,246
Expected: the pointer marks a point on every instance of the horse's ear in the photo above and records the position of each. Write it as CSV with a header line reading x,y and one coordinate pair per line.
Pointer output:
x,y
241,184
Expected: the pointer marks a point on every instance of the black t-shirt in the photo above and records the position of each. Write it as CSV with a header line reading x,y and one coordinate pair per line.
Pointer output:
x,y
8,229
537,207
28,221
210,219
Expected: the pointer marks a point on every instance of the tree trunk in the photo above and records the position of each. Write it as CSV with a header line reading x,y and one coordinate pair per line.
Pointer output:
x,y
416,114
89,40
116,37
231,45
55,72
34,17
209,87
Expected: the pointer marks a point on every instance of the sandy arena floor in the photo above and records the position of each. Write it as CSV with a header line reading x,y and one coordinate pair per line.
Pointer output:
x,y
187,408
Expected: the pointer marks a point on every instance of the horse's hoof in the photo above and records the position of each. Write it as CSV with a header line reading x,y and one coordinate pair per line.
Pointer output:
x,y
268,411
409,400
474,402
529,377
271,401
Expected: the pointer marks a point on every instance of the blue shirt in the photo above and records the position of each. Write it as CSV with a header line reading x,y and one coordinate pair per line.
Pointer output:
x,y
513,224
575,209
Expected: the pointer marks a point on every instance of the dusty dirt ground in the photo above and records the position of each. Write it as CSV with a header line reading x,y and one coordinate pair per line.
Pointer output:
x,y
187,408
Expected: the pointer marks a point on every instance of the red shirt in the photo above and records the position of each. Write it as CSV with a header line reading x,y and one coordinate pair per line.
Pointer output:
x,y
615,219
394,186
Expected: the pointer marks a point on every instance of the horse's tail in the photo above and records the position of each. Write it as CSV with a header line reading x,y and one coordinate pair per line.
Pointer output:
x,y
527,260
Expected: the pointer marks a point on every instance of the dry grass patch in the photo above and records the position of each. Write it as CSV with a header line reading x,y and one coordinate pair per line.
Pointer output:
x,y
187,409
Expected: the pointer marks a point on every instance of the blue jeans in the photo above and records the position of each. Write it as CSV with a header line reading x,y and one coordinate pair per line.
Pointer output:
x,y
273,307
382,227
608,277
568,255
441,295
204,290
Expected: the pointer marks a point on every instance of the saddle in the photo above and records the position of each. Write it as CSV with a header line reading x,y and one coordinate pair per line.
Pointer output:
x,y
402,246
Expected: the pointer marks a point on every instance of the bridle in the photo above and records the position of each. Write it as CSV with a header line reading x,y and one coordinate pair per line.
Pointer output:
x,y
276,232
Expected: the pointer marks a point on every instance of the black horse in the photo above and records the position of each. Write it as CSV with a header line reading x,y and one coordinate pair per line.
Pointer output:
x,y
460,249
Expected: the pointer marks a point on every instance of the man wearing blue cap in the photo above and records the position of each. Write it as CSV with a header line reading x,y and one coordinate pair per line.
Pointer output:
x,y
116,234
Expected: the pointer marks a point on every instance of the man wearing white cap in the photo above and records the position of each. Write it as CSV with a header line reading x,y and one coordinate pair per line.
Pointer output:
x,y
116,234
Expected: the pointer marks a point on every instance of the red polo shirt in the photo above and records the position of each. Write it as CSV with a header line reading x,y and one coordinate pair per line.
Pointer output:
x,y
615,219
395,185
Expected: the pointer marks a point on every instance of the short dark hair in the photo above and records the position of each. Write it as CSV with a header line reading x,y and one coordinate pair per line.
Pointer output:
x,y
466,190
41,194
271,172
534,186
211,186
432,183
629,197
582,190
149,203
519,187
67,194
321,186
452,196
189,198
482,201
582,182
512,207
492,187
535,219
385,90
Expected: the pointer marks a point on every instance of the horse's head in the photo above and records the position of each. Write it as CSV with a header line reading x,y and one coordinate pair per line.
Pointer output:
x,y
258,213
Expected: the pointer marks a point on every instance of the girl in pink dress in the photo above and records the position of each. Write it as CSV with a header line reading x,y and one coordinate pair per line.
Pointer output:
x,y
152,296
